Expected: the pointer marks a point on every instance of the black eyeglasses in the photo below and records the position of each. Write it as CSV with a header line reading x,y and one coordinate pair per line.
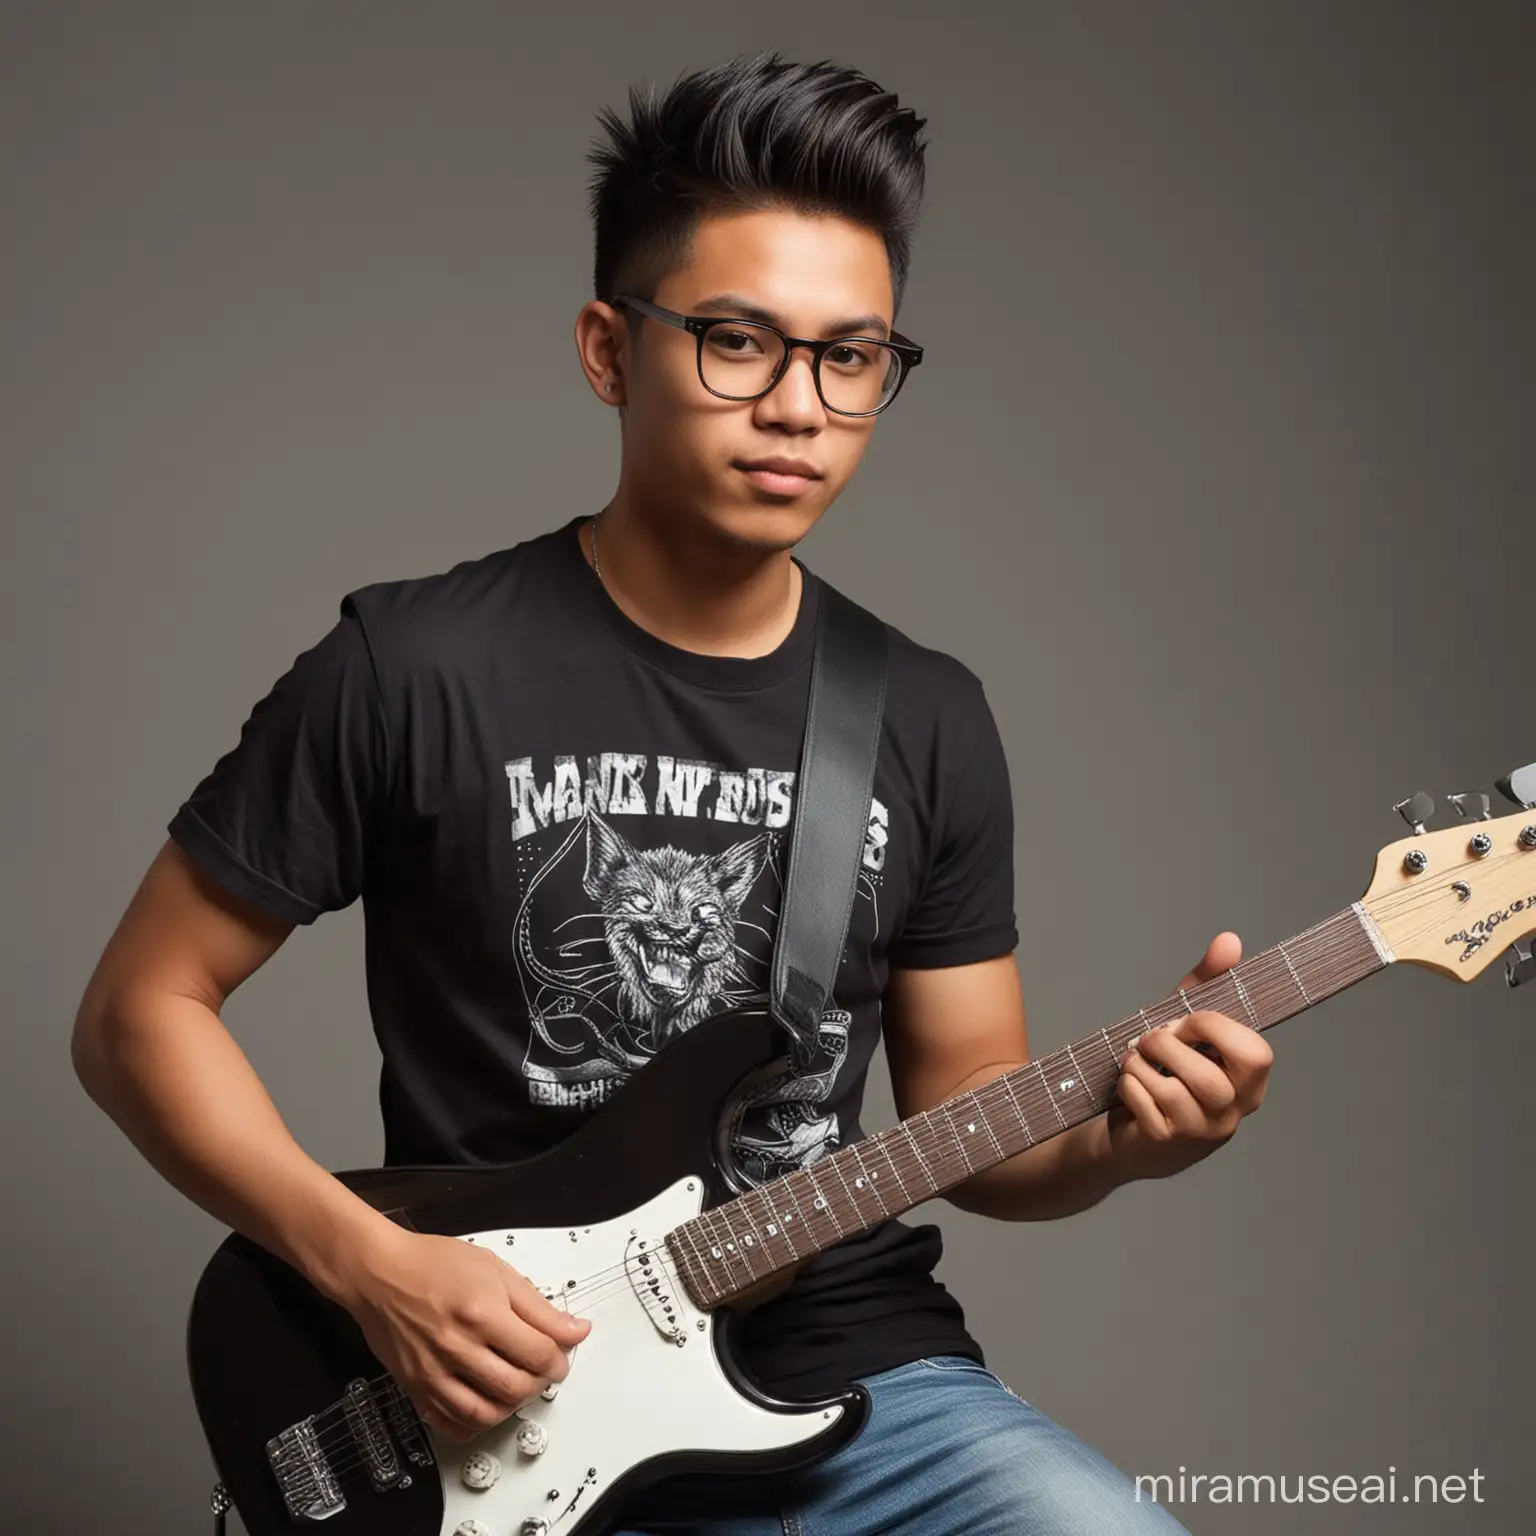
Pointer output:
x,y
744,359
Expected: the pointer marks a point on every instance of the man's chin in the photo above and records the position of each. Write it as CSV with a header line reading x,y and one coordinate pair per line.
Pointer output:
x,y
766,529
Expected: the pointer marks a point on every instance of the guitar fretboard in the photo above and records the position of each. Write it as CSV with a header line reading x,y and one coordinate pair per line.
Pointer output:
x,y
733,1246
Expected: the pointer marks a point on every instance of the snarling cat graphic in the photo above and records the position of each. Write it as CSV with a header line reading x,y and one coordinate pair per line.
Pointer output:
x,y
670,922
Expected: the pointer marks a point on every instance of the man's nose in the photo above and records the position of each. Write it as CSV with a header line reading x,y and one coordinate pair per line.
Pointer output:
x,y
795,393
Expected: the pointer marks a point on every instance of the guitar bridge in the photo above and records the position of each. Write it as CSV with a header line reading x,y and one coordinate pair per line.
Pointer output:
x,y
304,1476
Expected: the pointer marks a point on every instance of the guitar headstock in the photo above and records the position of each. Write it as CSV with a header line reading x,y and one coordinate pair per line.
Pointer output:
x,y
1454,899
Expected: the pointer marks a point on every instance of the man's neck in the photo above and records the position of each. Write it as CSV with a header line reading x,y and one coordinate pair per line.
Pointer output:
x,y
699,594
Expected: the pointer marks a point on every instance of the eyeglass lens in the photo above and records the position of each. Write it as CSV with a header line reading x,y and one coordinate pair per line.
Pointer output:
x,y
739,360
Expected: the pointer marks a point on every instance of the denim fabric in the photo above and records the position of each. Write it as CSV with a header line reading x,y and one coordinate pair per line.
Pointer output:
x,y
948,1449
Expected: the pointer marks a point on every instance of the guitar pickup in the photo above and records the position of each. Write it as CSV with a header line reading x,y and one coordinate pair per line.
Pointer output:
x,y
370,1436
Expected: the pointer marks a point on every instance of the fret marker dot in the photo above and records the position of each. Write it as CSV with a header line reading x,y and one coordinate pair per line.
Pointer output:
x,y
714,1253
858,1183
1067,1082
971,1128
820,1203
773,1231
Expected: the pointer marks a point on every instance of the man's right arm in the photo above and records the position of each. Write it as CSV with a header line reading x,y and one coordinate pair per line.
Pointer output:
x,y
447,1318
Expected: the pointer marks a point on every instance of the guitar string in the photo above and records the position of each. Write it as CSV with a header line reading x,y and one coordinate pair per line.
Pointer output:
x,y
598,1292
596,1288
605,1285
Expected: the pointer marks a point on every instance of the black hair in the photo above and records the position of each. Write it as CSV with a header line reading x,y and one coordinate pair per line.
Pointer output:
x,y
754,133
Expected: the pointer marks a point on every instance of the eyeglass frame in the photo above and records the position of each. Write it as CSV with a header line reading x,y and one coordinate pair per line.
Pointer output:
x,y
908,353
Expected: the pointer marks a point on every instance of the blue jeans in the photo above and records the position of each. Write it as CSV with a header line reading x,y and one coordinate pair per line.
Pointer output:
x,y
948,1449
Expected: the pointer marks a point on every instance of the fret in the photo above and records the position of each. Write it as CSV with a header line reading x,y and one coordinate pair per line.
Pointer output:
x,y
1018,1108
1082,1081
761,1220
949,1120
734,1248
870,1178
1294,977
894,1166
776,1226
906,1126
1040,1068
715,1257
789,1189
984,1115
1242,995
703,1271
1271,981
1114,1055
835,1164
822,1204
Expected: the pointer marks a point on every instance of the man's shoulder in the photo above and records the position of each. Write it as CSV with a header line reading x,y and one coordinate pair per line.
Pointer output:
x,y
419,616
923,677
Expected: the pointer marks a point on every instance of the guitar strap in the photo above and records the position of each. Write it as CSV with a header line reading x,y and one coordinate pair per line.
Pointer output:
x,y
832,798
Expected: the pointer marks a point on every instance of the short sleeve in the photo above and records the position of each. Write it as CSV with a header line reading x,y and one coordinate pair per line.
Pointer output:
x,y
283,819
964,910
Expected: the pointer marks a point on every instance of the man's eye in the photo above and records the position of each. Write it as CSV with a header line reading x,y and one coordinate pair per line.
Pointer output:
x,y
640,903
848,356
733,341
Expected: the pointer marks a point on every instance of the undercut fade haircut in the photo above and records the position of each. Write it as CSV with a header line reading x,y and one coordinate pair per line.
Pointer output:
x,y
752,134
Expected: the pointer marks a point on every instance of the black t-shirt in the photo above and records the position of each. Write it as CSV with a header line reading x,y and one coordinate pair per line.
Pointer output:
x,y
568,836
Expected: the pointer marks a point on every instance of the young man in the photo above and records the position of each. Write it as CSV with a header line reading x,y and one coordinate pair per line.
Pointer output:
x,y
562,779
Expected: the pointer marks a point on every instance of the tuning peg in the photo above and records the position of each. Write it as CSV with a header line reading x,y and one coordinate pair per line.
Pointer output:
x,y
1521,965
1520,787
1473,797
1416,810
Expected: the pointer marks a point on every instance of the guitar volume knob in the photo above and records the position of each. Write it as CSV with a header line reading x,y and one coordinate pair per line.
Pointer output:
x,y
532,1438
471,1528
480,1470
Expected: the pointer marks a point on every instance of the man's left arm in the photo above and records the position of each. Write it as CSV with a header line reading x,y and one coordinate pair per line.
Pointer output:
x,y
952,1028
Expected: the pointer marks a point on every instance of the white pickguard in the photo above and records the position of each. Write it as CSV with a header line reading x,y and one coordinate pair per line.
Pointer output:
x,y
631,1393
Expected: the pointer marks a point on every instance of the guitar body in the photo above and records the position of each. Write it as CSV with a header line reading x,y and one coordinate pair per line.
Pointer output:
x,y
654,1389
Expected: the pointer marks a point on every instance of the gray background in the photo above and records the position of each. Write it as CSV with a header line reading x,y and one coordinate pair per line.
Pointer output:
x,y
1216,473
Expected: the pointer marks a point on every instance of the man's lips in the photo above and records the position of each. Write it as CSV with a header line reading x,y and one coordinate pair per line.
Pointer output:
x,y
782,466
786,476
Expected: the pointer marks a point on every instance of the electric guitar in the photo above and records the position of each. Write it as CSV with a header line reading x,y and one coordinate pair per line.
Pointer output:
x,y
638,1220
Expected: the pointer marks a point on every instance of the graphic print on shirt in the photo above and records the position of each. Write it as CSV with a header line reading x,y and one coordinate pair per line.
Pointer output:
x,y
624,941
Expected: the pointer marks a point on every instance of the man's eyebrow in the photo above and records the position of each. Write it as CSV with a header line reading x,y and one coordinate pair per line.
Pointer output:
x,y
735,304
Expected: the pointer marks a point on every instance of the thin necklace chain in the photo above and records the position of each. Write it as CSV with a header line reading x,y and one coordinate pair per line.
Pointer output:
x,y
597,570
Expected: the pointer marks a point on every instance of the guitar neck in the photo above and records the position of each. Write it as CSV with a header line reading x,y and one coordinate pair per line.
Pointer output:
x,y
734,1246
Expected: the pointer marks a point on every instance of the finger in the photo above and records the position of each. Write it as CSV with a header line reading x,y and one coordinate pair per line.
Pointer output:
x,y
523,1346
1208,1083
455,1409
1221,954
1148,1116
533,1306
1168,1093
1245,1055
502,1379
